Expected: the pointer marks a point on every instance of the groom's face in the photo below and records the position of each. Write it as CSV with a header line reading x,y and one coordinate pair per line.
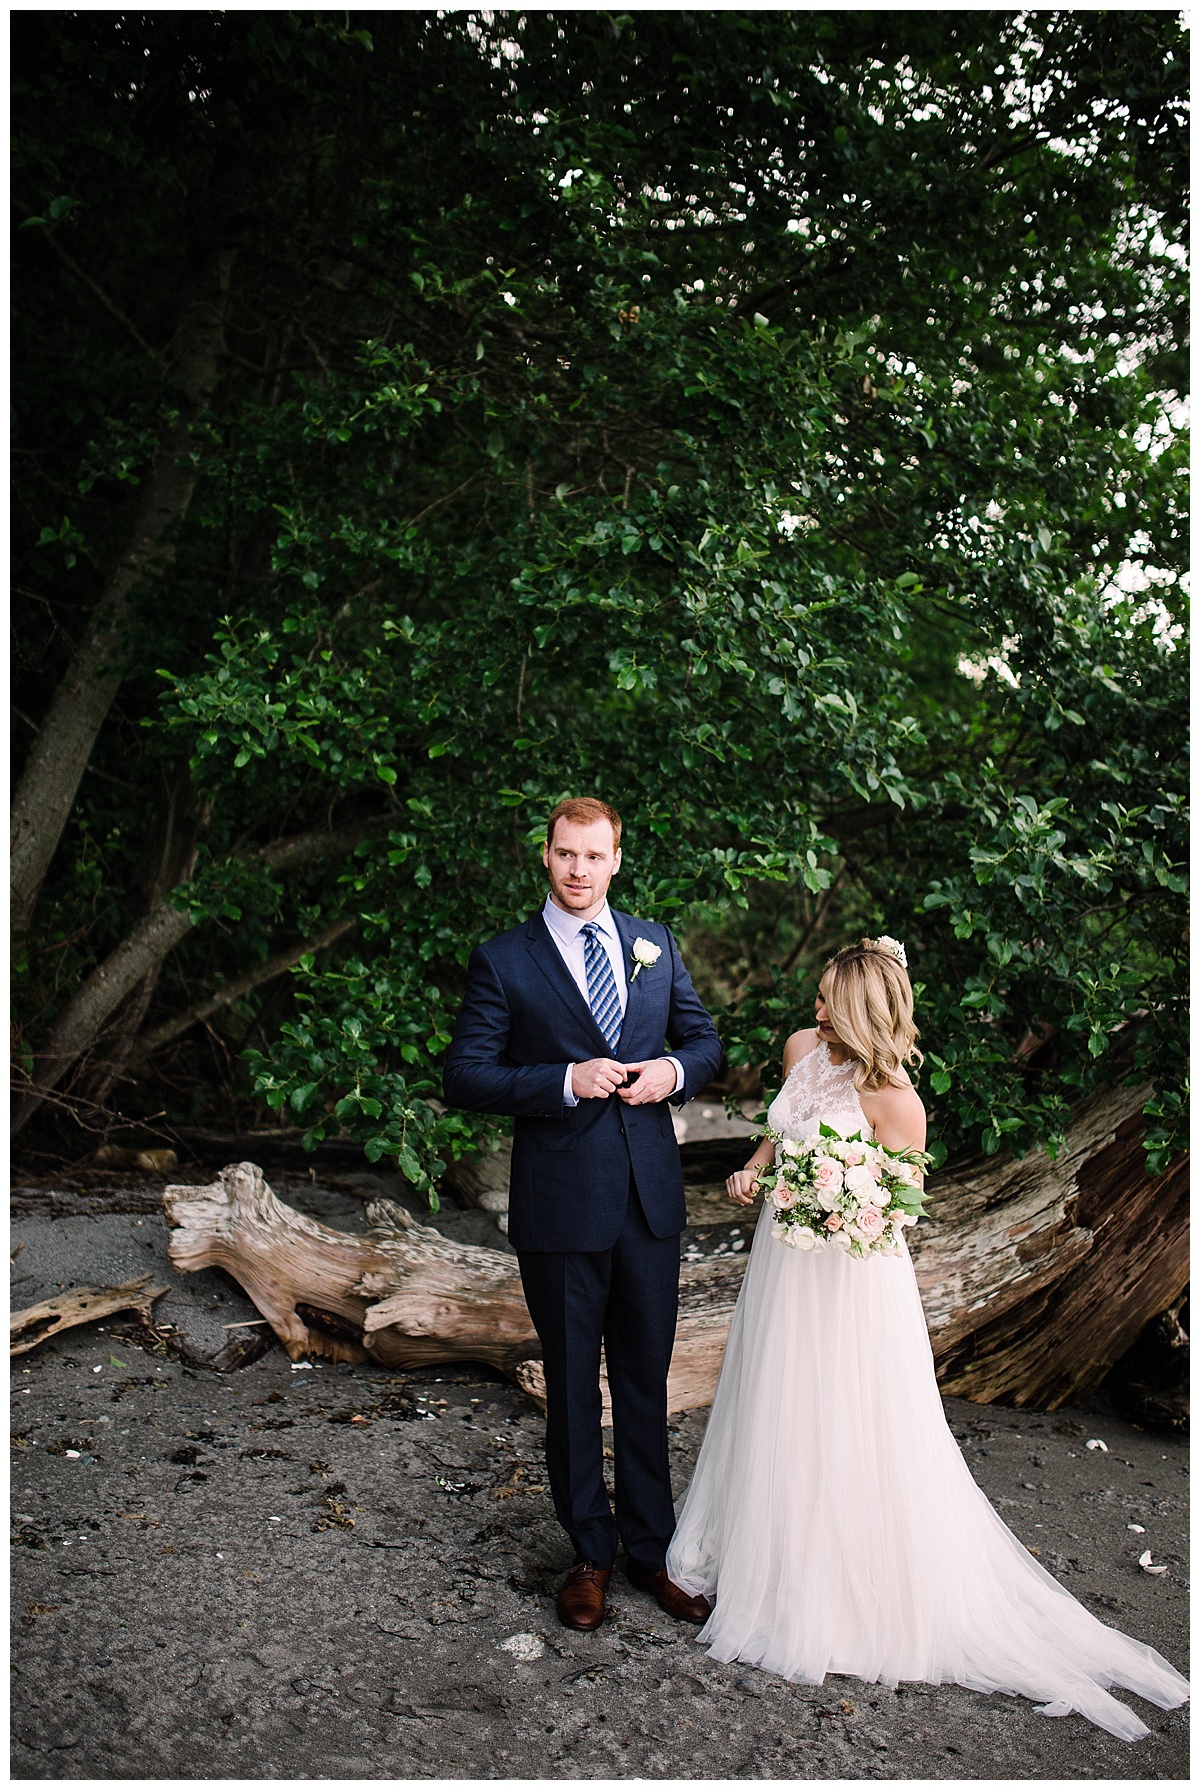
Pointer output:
x,y
581,862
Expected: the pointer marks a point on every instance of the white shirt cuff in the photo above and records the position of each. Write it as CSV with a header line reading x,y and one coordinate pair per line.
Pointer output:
x,y
569,1092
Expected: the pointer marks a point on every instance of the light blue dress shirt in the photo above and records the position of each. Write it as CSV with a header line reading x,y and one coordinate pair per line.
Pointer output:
x,y
567,933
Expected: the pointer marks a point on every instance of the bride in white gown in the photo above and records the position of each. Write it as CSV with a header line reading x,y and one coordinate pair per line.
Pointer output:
x,y
831,1518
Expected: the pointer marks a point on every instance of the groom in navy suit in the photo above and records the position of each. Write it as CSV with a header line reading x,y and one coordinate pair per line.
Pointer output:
x,y
562,1026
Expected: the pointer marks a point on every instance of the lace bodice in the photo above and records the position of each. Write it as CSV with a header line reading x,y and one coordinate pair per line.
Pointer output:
x,y
818,1091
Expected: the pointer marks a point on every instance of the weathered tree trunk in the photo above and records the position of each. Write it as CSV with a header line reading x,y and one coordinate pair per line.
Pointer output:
x,y
1035,1275
59,756
137,956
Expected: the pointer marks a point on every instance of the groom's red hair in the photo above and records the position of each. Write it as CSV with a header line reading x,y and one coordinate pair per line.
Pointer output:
x,y
584,811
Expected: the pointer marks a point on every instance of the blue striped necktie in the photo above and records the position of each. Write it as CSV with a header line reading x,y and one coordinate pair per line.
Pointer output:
x,y
602,986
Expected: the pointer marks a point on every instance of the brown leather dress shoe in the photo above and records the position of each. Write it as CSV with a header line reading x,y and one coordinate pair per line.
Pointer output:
x,y
670,1597
581,1596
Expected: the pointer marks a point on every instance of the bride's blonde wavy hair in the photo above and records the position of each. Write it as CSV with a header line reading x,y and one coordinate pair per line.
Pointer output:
x,y
870,1006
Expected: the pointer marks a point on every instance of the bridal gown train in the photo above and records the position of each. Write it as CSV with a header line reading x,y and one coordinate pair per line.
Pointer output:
x,y
832,1519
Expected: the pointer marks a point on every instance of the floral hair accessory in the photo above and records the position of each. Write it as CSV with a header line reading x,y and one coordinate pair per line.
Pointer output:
x,y
894,948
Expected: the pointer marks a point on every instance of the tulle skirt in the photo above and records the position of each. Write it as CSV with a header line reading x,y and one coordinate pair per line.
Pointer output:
x,y
837,1528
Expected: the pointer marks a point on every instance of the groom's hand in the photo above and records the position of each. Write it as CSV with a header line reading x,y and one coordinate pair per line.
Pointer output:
x,y
597,1078
655,1081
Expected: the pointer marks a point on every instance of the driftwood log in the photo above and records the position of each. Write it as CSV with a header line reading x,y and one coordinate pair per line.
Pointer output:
x,y
403,1294
81,1305
1035,1275
321,1288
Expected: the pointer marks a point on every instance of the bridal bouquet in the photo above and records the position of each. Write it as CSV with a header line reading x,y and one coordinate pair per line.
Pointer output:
x,y
847,1193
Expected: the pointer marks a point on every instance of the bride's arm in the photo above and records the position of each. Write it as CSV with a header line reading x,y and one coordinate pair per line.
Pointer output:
x,y
740,1185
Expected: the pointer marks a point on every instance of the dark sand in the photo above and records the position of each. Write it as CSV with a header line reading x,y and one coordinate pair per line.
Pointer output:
x,y
344,1573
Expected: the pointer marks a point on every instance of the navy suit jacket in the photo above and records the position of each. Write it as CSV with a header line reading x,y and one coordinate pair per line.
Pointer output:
x,y
523,1019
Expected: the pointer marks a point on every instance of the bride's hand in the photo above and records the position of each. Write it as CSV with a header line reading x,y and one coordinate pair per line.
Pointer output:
x,y
740,1186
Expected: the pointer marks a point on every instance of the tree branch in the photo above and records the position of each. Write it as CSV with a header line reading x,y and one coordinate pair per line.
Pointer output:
x,y
228,992
441,500
1001,151
146,946
156,354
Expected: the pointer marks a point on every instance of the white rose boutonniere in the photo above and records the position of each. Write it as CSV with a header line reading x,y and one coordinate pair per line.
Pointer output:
x,y
645,955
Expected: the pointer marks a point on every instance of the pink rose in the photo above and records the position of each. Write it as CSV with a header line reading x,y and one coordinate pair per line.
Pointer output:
x,y
834,1222
784,1196
827,1179
854,1157
870,1223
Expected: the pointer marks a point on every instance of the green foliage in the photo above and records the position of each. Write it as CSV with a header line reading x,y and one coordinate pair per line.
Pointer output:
x,y
334,1045
757,419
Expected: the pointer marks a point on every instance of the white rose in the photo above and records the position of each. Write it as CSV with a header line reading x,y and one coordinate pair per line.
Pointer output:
x,y
861,1182
905,1173
790,1147
841,1240
804,1238
645,953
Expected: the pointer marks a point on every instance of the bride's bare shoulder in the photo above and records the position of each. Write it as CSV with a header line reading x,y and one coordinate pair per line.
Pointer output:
x,y
800,1044
897,1115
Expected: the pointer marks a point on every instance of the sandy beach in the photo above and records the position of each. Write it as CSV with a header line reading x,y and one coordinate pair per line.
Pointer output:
x,y
332,1572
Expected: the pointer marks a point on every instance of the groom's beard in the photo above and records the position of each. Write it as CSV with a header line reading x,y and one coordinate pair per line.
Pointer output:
x,y
578,899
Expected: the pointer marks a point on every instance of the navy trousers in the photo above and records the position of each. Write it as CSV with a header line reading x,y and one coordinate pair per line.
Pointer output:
x,y
627,1297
